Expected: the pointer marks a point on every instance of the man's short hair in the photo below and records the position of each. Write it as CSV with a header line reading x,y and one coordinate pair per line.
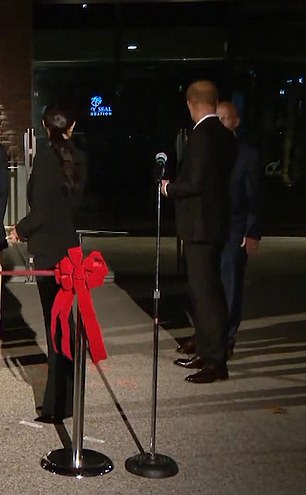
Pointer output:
x,y
202,92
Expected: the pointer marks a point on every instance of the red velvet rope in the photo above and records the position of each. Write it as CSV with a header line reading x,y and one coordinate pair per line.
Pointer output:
x,y
28,273
76,277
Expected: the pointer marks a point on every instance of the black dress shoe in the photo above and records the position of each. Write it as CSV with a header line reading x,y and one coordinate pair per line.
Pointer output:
x,y
187,347
193,363
209,374
51,420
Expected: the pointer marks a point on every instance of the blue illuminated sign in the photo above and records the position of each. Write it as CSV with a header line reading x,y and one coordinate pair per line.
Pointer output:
x,y
98,109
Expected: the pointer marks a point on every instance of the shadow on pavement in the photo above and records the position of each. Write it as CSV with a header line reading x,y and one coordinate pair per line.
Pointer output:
x,y
19,348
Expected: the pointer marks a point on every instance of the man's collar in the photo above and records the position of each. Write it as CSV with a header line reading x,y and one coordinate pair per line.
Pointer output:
x,y
204,118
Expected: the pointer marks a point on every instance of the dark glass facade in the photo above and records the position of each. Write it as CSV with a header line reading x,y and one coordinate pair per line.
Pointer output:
x,y
82,52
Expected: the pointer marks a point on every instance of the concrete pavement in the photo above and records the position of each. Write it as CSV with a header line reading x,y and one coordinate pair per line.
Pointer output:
x,y
242,436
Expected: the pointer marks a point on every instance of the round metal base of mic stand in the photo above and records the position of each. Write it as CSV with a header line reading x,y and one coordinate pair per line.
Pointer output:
x,y
62,462
151,466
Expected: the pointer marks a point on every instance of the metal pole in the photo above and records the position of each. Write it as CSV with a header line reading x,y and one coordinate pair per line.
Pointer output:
x,y
76,461
151,464
78,393
156,298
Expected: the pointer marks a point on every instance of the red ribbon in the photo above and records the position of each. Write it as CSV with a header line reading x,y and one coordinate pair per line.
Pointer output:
x,y
77,276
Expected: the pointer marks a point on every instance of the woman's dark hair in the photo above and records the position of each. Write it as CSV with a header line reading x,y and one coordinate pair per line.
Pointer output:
x,y
58,120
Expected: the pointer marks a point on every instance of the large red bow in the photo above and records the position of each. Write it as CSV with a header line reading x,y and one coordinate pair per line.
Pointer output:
x,y
76,276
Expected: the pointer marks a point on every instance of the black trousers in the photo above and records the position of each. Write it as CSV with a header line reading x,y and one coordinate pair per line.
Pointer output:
x,y
58,398
208,300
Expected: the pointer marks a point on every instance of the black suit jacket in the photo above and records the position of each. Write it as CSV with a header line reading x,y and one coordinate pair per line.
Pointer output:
x,y
49,227
246,192
201,190
4,181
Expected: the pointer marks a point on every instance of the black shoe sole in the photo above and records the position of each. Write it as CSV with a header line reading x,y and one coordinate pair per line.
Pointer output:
x,y
51,420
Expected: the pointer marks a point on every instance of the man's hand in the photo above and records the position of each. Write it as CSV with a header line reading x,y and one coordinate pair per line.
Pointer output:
x,y
250,244
163,186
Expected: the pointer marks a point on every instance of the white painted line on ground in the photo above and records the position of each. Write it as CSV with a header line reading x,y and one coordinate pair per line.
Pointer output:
x,y
92,439
29,423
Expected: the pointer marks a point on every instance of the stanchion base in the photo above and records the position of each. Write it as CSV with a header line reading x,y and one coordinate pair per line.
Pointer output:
x,y
151,466
61,461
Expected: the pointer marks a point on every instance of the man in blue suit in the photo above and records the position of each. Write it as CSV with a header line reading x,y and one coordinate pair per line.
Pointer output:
x,y
246,205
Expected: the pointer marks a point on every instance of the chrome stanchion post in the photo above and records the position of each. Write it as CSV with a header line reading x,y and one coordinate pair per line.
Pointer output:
x,y
79,391
30,278
151,464
29,144
78,462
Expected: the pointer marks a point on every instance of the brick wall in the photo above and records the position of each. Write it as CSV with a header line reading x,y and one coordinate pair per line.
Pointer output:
x,y
15,74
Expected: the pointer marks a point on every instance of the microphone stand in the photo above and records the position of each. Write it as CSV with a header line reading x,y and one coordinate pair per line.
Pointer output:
x,y
150,464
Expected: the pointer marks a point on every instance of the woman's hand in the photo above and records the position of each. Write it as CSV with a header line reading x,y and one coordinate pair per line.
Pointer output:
x,y
12,236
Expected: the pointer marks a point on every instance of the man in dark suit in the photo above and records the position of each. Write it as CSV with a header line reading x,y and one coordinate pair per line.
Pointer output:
x,y
246,205
246,199
201,194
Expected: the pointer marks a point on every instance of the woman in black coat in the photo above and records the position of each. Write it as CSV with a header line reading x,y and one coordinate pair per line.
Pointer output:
x,y
54,194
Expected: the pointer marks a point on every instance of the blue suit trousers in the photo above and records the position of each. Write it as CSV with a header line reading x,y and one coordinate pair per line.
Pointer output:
x,y
233,263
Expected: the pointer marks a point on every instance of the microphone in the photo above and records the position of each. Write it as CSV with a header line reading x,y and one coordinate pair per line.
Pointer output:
x,y
160,162
160,159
